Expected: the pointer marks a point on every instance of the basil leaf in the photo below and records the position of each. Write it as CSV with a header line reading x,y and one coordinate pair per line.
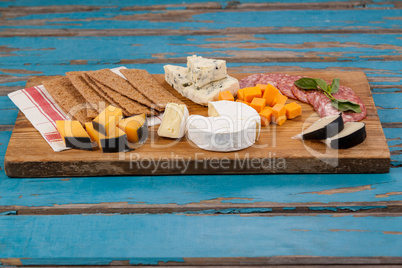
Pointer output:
x,y
306,83
322,84
335,85
345,105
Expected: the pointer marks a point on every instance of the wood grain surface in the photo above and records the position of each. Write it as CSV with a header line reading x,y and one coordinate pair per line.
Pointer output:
x,y
28,155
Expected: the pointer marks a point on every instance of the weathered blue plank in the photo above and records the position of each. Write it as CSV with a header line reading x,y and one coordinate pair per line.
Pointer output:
x,y
182,190
388,101
355,19
148,239
140,2
8,111
357,47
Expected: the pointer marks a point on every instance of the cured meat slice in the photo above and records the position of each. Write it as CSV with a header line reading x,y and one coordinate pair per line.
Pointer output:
x,y
299,93
249,81
272,79
286,83
323,105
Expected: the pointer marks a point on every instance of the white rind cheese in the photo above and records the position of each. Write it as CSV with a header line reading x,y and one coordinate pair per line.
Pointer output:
x,y
203,71
211,91
177,77
232,126
174,121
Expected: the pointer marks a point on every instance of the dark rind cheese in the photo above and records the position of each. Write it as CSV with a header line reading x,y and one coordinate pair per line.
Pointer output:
x,y
82,143
136,129
115,143
74,135
107,119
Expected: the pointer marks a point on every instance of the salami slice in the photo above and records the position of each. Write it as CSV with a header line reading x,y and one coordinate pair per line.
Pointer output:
x,y
323,105
249,81
299,93
272,79
286,84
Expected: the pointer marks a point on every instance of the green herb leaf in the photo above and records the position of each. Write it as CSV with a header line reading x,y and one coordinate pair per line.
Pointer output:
x,y
322,84
335,85
345,105
306,83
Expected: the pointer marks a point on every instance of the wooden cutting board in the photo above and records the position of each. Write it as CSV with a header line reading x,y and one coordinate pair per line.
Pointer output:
x,y
28,154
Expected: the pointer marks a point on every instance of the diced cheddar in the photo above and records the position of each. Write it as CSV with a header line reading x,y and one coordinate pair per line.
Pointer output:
x,y
263,87
251,92
292,110
95,135
74,135
279,99
135,127
226,95
245,102
258,104
270,94
266,115
240,94
279,114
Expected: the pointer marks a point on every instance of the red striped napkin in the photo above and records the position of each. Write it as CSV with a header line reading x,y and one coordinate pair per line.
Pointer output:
x,y
42,111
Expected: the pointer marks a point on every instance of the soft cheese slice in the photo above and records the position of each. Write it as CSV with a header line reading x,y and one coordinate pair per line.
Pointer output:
x,y
203,71
177,77
211,91
231,126
174,121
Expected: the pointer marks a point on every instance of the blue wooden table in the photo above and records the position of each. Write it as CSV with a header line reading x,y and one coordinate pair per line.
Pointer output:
x,y
200,220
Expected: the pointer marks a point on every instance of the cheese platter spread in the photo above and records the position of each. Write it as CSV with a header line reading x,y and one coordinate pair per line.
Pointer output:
x,y
209,121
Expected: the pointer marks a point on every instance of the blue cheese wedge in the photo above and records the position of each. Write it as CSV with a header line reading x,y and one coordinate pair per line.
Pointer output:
x,y
177,77
203,71
210,92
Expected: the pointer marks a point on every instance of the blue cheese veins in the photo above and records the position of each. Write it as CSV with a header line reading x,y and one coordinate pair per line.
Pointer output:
x,y
177,77
203,71
210,92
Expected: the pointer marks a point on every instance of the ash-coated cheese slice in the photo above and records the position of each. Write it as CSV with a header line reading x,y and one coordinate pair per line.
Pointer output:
x,y
203,71
174,121
211,91
231,126
177,77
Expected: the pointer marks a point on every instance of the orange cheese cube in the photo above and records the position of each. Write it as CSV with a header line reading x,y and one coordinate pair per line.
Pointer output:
x,y
292,110
263,87
266,115
251,92
279,99
279,114
226,95
240,94
245,102
258,104
270,94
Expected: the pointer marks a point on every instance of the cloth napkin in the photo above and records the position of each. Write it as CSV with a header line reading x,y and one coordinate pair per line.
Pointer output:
x,y
42,111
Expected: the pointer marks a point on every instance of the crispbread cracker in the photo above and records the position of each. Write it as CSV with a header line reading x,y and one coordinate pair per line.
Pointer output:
x,y
149,87
92,84
129,106
96,101
120,85
69,99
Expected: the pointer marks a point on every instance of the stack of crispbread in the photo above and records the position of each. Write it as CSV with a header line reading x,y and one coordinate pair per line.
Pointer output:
x,y
82,95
